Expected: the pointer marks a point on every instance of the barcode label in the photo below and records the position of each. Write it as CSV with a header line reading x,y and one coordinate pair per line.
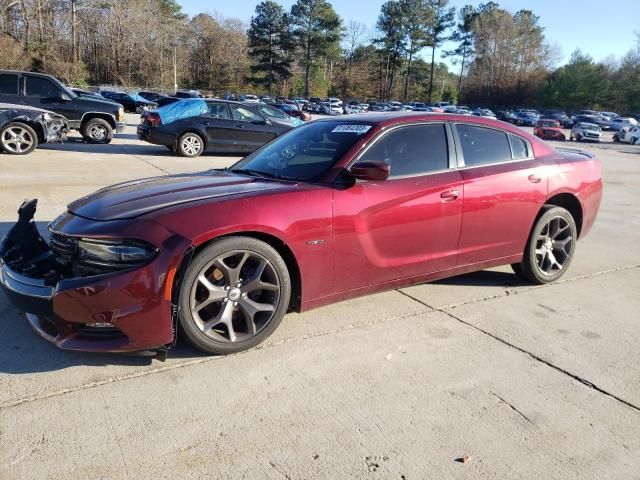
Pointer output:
x,y
351,129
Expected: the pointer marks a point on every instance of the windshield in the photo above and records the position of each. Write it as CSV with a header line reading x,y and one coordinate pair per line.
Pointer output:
x,y
302,154
272,112
550,124
587,126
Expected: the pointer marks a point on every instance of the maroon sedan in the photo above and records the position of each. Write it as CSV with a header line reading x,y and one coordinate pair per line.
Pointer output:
x,y
549,129
334,209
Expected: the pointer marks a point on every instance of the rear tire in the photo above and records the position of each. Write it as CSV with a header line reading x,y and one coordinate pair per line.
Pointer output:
x,y
97,131
190,145
234,295
550,248
17,138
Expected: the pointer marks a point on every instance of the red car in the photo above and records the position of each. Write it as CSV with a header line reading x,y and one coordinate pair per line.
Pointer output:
x,y
293,111
549,129
334,209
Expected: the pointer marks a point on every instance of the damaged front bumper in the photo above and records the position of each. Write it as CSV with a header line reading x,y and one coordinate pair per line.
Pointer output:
x,y
55,127
76,309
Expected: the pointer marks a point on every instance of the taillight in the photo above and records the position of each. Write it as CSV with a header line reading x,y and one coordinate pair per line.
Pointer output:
x,y
152,118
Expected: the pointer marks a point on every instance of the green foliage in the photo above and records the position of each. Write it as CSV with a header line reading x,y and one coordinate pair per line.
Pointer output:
x,y
316,29
269,44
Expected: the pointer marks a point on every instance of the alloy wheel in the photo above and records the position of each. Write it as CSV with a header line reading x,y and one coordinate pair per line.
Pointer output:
x,y
554,246
97,132
191,145
17,140
235,296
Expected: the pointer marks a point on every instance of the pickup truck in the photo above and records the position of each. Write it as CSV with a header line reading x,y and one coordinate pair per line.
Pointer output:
x,y
96,119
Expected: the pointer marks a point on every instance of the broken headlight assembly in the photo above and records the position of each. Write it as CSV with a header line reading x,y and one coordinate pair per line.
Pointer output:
x,y
92,256
113,253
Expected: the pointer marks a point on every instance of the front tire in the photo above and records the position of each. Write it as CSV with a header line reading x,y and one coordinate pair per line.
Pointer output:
x,y
18,138
550,247
234,295
190,145
97,131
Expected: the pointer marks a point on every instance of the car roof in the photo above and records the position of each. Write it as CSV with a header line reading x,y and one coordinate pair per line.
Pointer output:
x,y
390,119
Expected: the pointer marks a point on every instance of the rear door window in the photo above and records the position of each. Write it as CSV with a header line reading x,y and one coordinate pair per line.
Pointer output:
x,y
8,84
218,110
412,150
243,114
42,87
483,146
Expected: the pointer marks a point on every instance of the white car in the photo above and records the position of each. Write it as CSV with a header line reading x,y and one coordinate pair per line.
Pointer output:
x,y
250,98
621,122
484,112
629,134
351,109
330,108
583,131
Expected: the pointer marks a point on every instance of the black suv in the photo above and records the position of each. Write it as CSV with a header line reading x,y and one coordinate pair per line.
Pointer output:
x,y
96,119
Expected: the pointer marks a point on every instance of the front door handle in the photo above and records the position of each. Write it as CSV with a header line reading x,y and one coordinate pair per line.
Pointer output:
x,y
449,196
239,125
534,178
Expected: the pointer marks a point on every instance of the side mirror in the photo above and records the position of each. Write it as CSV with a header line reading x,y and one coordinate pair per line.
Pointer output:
x,y
262,121
371,170
64,97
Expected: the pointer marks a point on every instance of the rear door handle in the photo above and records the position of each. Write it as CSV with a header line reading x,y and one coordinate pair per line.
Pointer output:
x,y
449,196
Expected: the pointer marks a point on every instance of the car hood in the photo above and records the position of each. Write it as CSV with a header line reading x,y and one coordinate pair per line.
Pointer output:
x,y
99,103
139,197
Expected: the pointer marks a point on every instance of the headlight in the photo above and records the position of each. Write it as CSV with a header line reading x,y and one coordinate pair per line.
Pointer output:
x,y
121,114
114,253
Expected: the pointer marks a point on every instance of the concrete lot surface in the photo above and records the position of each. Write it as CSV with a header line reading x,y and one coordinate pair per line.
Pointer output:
x,y
528,382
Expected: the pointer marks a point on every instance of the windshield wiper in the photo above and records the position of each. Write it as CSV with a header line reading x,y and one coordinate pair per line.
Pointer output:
x,y
259,173
254,173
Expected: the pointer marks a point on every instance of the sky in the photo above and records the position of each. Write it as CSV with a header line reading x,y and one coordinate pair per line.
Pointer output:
x,y
598,28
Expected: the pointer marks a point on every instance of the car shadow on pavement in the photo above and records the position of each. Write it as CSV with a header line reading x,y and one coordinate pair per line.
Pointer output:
x,y
76,144
485,278
22,351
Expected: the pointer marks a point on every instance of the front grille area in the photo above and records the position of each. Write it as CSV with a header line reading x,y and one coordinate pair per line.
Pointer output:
x,y
103,333
63,246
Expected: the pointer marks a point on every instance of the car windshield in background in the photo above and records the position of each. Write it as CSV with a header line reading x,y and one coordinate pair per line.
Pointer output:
x,y
271,112
304,153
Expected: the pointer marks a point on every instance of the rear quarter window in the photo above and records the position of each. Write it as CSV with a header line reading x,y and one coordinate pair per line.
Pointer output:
x,y
483,146
520,147
8,84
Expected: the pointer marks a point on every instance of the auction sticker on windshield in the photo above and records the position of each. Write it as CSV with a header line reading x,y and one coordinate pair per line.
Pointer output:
x,y
351,129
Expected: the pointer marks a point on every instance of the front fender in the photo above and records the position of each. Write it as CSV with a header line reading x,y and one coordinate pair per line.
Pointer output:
x,y
301,220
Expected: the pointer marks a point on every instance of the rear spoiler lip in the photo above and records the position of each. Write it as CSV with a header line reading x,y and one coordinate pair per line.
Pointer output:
x,y
575,151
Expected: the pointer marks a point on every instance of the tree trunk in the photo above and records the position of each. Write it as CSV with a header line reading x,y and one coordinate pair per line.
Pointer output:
x,y
433,59
464,55
406,81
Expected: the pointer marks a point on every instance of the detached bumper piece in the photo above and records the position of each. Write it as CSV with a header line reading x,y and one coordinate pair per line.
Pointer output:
x,y
36,277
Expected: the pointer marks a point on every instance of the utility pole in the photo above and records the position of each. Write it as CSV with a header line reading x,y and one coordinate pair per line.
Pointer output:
x,y
74,33
175,69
